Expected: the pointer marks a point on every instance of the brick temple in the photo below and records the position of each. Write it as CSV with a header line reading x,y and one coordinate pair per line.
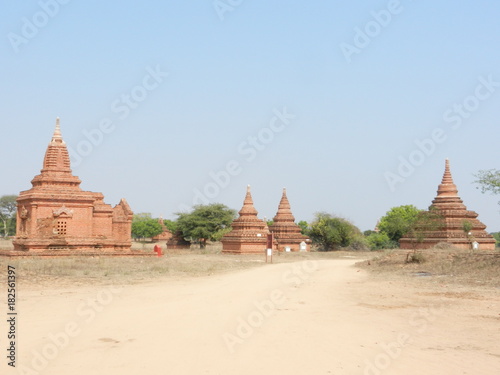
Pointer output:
x,y
56,217
450,207
249,233
288,234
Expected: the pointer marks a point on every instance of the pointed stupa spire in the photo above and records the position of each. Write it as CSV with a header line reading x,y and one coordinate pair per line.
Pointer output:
x,y
249,233
248,207
57,137
449,225
56,163
285,230
284,210
447,186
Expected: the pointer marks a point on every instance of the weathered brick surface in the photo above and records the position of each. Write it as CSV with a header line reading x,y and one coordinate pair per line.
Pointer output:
x,y
449,205
56,216
286,232
249,233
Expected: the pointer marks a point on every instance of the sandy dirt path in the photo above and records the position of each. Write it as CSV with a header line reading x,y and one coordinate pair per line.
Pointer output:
x,y
312,317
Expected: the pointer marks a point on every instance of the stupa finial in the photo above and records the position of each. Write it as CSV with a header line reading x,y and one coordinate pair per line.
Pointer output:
x,y
57,137
447,186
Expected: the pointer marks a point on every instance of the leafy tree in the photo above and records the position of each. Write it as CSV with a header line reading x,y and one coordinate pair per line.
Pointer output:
x,y
144,226
425,222
304,227
467,226
398,221
269,222
332,233
488,181
378,241
496,236
171,225
205,222
8,208
217,236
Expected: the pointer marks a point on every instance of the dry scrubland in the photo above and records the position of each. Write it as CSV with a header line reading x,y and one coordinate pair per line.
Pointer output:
x,y
442,266
358,313
130,270
439,265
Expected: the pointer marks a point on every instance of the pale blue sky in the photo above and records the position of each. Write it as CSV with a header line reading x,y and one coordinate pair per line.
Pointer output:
x,y
352,120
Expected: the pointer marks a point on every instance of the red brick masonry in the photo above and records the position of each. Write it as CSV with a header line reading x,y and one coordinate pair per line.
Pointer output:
x,y
56,217
449,205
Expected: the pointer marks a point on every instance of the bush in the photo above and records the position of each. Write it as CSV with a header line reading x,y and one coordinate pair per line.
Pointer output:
x,y
359,243
378,241
415,258
333,233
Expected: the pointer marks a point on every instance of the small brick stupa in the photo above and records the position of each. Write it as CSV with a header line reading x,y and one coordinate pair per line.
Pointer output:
x,y
249,233
56,217
450,207
286,232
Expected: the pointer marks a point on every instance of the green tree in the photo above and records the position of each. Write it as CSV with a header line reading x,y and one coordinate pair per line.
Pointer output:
x,y
8,208
488,181
467,226
378,241
205,222
424,223
304,227
171,225
496,236
398,221
144,226
332,233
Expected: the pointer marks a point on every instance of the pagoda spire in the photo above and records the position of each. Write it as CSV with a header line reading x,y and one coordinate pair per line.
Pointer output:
x,y
285,230
447,188
248,208
57,137
56,163
448,226
249,233
284,213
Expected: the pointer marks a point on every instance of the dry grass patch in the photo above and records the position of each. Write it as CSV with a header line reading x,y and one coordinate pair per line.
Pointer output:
x,y
89,270
439,265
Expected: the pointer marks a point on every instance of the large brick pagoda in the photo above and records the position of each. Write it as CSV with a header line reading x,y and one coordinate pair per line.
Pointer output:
x,y
454,214
249,233
56,217
286,232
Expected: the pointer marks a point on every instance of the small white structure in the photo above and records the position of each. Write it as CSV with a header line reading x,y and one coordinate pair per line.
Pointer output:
x,y
303,246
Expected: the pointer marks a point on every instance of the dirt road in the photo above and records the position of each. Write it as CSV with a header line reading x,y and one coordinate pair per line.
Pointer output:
x,y
312,317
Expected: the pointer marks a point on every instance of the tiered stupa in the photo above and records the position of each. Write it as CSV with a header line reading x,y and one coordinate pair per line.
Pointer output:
x,y
249,233
56,217
460,227
286,232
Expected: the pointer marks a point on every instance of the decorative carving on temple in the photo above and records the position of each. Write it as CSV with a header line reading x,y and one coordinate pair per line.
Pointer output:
x,y
23,213
63,212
